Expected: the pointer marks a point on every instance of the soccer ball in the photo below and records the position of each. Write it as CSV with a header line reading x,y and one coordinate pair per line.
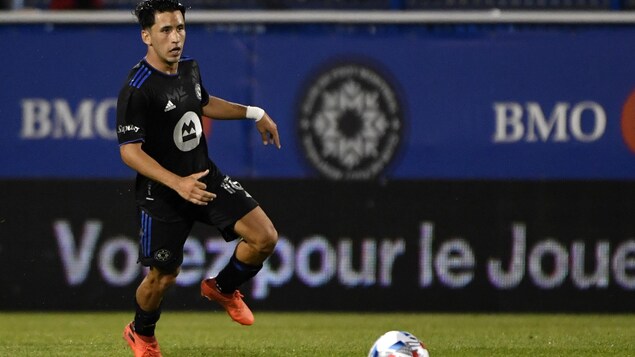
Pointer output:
x,y
398,344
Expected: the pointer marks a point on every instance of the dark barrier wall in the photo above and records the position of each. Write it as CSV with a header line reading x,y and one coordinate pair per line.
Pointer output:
x,y
358,101
410,245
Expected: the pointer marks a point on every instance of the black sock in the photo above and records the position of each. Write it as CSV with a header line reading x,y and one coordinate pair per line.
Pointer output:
x,y
234,274
144,321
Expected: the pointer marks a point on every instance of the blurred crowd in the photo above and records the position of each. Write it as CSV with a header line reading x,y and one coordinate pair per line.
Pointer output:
x,y
337,4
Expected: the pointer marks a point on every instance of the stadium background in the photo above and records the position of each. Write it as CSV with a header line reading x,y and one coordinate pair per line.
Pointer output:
x,y
494,173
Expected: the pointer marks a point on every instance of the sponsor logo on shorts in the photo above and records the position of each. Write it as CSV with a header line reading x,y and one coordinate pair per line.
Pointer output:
x,y
350,122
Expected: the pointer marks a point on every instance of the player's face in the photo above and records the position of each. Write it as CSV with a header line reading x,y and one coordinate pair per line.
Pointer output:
x,y
165,40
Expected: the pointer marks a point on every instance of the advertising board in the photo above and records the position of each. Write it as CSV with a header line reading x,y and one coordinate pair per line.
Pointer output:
x,y
406,246
351,101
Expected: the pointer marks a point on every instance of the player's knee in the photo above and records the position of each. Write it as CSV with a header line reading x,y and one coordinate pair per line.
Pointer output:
x,y
267,242
167,276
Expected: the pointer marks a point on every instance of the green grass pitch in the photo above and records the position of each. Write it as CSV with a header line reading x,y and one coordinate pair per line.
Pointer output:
x,y
321,334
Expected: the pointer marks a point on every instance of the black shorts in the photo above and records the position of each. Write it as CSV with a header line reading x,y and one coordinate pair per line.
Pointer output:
x,y
161,241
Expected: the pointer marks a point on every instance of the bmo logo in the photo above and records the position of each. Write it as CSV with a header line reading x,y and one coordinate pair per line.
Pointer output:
x,y
564,122
59,119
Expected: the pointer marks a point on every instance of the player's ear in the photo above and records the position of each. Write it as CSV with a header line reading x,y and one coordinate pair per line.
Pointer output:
x,y
145,37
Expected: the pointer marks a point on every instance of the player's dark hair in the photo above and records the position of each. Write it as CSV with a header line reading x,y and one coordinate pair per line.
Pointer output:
x,y
146,10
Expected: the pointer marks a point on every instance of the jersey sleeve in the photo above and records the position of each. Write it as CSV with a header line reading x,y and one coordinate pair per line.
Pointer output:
x,y
204,95
132,109
204,92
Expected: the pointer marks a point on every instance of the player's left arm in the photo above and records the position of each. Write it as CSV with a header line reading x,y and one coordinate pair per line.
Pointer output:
x,y
221,109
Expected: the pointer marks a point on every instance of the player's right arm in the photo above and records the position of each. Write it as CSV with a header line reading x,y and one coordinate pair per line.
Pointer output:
x,y
189,187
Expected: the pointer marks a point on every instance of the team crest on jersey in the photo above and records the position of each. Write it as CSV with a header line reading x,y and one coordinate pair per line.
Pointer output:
x,y
187,132
350,122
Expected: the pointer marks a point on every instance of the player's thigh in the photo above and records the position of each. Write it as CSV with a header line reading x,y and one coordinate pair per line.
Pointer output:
x,y
255,227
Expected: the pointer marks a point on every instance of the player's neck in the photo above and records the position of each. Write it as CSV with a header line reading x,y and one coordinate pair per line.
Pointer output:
x,y
162,66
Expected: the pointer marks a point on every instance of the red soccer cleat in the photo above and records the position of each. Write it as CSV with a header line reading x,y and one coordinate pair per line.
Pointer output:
x,y
139,346
232,303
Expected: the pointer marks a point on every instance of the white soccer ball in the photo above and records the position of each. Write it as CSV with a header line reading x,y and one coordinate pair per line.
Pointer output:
x,y
398,344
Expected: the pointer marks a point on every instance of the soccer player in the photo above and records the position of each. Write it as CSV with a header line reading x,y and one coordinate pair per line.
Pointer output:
x,y
159,129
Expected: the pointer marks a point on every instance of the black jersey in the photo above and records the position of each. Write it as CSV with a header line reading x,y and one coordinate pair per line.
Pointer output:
x,y
164,113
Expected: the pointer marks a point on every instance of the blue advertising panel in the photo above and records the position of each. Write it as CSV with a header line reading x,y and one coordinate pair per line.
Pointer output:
x,y
351,102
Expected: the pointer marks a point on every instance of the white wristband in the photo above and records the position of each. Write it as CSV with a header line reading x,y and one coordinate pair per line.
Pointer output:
x,y
255,113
